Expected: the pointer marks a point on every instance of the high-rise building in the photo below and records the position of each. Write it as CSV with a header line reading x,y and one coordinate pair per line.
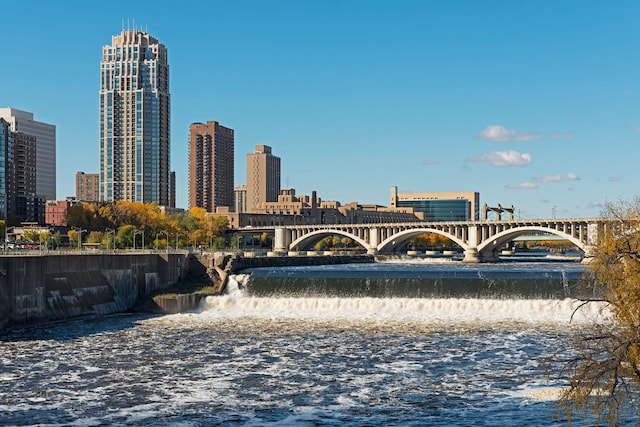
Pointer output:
x,y
6,178
45,146
28,207
263,178
87,187
134,120
211,151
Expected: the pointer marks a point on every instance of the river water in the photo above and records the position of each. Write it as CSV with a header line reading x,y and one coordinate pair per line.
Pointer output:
x,y
250,358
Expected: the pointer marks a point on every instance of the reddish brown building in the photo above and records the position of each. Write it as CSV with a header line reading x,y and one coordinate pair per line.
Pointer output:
x,y
211,151
56,212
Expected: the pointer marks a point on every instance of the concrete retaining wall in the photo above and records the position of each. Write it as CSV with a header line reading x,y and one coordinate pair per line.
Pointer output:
x,y
39,289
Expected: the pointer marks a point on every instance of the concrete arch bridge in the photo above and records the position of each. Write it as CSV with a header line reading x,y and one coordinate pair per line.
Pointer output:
x,y
481,241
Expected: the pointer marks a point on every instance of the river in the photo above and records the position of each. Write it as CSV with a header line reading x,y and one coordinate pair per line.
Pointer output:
x,y
260,356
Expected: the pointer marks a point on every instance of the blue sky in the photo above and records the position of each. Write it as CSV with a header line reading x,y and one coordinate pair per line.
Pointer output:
x,y
530,103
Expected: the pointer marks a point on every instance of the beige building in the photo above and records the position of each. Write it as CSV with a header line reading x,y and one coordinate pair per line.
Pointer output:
x,y
263,178
87,187
211,166
240,198
293,209
431,207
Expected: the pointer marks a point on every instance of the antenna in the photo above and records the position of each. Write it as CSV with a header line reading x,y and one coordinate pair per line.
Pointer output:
x,y
122,24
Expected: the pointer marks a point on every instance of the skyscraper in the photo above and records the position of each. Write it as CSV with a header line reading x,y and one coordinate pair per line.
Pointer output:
x,y
45,148
263,178
211,166
134,120
6,177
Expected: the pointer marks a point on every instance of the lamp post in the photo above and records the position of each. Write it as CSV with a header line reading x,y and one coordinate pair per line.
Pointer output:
x,y
111,231
178,234
135,233
160,233
79,230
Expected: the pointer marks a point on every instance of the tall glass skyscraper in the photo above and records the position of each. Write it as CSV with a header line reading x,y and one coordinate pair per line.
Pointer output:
x,y
134,120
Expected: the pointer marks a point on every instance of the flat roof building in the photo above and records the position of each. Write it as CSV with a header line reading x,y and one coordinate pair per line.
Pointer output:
x,y
442,206
211,166
45,148
87,187
263,178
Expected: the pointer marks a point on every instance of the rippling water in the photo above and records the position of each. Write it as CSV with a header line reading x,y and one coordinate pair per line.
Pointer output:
x,y
256,361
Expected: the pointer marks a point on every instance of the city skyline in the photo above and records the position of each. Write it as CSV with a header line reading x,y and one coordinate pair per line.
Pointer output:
x,y
530,104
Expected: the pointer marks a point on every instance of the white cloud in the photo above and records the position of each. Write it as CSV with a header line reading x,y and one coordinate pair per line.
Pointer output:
x,y
570,176
429,162
594,205
615,178
504,158
525,185
498,133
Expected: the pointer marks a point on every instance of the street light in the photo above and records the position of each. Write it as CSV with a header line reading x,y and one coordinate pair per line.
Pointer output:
x,y
159,233
111,231
178,234
79,230
135,233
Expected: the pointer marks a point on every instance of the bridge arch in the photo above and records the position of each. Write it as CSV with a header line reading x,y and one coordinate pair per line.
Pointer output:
x,y
302,240
403,236
488,249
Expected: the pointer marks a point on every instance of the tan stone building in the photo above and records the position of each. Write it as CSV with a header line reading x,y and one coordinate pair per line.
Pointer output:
x,y
263,178
293,209
87,187
211,166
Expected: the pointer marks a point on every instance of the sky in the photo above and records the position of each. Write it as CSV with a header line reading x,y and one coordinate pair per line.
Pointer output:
x,y
533,104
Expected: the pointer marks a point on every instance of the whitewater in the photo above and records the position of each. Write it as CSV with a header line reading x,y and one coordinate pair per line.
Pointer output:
x,y
282,360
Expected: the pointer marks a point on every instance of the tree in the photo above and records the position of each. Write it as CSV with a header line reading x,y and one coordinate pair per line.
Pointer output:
x,y
605,372
73,238
31,235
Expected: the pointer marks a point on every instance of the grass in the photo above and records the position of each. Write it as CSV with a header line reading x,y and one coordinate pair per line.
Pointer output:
x,y
192,284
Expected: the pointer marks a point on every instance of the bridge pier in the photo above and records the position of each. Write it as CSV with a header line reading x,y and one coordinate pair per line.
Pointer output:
x,y
471,256
280,240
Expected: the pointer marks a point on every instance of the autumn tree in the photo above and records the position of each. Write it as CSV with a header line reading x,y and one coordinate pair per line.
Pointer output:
x,y
31,235
73,238
605,372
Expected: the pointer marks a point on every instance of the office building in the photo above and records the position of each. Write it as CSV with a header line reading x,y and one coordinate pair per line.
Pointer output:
x,y
6,160
443,206
28,207
45,148
263,178
211,166
134,120
87,187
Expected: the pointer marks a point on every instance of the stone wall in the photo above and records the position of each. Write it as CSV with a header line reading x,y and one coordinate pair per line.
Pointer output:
x,y
39,289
